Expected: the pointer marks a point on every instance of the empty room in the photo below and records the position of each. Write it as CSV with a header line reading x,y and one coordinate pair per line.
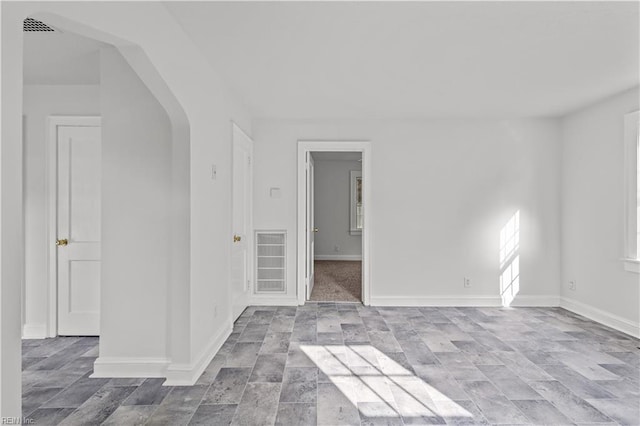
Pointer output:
x,y
320,213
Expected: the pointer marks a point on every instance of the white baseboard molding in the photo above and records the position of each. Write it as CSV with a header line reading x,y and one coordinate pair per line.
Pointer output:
x,y
34,331
105,367
338,257
536,301
188,374
603,317
267,300
436,301
481,301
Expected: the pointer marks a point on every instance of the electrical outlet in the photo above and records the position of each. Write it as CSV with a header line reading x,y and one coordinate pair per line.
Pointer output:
x,y
336,248
467,282
572,285
214,172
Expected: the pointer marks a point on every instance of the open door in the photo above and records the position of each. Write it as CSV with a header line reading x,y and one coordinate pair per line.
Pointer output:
x,y
242,221
311,228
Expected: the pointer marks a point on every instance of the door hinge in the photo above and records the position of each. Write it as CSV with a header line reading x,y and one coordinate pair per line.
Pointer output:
x,y
249,160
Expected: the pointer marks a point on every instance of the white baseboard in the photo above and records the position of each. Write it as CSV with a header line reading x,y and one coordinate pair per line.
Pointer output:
x,y
34,331
338,257
188,374
536,301
482,301
436,301
105,367
267,300
607,318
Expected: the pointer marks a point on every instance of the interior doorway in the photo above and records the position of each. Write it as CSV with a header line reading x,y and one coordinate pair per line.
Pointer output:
x,y
337,226
242,213
74,207
62,162
333,221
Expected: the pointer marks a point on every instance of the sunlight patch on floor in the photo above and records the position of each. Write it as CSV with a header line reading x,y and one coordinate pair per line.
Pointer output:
x,y
378,385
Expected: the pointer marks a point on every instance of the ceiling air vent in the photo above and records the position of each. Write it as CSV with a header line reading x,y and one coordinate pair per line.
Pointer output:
x,y
33,25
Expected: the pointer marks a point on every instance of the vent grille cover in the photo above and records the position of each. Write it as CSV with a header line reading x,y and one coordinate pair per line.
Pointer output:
x,y
270,263
33,25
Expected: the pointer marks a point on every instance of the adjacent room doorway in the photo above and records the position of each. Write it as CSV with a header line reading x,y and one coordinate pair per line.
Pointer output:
x,y
333,221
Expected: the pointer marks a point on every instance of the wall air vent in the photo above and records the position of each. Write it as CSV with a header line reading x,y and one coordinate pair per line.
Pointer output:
x,y
270,263
33,25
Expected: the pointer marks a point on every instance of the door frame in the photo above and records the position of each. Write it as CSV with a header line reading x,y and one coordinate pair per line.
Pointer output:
x,y
364,147
51,208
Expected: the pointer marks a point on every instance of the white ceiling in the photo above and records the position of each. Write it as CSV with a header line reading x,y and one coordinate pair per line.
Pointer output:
x,y
323,60
60,58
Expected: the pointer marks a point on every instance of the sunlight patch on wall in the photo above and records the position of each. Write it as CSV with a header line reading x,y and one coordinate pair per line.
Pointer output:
x,y
510,259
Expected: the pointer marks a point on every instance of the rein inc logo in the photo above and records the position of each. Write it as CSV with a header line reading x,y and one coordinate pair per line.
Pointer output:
x,y
17,421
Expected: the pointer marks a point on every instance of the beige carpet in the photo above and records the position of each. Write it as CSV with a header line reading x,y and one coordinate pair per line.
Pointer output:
x,y
337,281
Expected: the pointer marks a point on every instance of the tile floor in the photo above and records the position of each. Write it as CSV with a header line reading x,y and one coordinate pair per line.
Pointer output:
x,y
334,364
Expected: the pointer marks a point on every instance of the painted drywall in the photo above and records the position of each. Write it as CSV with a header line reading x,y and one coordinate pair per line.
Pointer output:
x,y
201,106
40,102
136,185
332,191
442,190
593,211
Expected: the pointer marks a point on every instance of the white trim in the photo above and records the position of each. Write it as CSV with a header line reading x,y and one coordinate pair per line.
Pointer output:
x,y
479,300
417,301
632,265
34,331
53,122
631,122
607,318
338,257
305,146
526,301
188,374
267,300
105,367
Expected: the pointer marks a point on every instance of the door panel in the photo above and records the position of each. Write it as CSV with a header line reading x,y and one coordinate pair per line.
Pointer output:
x,y
78,222
310,249
241,269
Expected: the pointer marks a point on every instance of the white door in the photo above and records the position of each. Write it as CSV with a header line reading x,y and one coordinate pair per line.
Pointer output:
x,y
78,229
311,227
242,225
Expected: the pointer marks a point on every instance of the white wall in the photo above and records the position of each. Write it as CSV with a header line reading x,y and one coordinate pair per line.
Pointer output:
x,y
201,107
40,102
332,209
136,185
11,214
593,213
441,192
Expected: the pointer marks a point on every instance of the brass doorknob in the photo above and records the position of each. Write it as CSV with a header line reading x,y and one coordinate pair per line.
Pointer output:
x,y
236,238
62,243
315,229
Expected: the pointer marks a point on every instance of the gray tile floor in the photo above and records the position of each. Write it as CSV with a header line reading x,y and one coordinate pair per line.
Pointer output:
x,y
337,364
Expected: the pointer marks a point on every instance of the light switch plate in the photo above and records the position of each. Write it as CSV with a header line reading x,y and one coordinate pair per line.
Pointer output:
x,y
275,193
